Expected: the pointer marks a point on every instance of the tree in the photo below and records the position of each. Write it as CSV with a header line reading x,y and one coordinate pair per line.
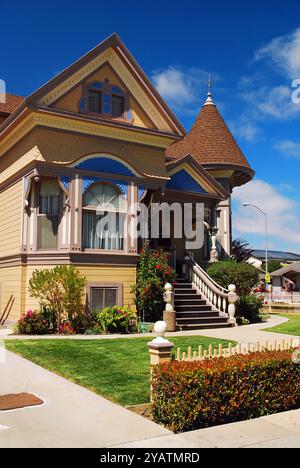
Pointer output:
x,y
273,265
61,292
241,250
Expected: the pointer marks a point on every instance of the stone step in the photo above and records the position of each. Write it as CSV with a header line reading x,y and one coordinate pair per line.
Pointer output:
x,y
186,301
191,307
180,291
196,313
202,326
197,320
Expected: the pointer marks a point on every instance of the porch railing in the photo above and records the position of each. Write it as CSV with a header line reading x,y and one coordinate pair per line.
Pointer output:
x,y
220,298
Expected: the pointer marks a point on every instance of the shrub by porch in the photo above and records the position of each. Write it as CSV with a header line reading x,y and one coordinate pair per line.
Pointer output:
x,y
192,395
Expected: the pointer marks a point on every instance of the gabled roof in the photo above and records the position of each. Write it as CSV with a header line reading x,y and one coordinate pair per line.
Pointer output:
x,y
65,80
211,143
293,268
189,162
11,103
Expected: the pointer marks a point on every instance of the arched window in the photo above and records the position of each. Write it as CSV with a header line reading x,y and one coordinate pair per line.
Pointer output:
x,y
104,213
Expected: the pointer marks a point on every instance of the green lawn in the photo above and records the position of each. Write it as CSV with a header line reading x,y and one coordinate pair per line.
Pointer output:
x,y
292,327
117,369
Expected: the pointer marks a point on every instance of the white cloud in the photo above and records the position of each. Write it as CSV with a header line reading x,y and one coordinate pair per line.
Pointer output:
x,y
246,130
289,148
184,89
283,213
284,53
275,102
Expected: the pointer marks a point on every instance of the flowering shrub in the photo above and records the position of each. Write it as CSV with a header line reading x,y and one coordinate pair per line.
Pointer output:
x,y
191,395
116,320
33,323
152,274
65,328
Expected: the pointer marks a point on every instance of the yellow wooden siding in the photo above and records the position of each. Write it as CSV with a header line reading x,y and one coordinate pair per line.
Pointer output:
x,y
10,219
10,285
13,167
125,275
61,147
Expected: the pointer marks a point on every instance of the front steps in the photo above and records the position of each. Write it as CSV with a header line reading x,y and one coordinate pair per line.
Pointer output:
x,y
192,310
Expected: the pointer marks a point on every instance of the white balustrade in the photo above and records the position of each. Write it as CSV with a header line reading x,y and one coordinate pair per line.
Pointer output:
x,y
222,299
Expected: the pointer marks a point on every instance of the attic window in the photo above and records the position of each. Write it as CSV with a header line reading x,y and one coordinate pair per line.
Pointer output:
x,y
105,99
118,106
95,101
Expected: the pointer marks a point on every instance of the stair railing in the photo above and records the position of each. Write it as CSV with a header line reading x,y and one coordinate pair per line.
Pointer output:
x,y
220,298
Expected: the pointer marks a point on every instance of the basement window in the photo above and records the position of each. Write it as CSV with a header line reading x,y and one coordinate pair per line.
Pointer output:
x,y
102,298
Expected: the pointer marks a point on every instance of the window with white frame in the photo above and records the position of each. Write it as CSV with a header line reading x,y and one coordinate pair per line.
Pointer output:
x,y
104,213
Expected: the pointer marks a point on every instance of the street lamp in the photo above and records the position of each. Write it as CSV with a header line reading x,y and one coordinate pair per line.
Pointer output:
x,y
266,232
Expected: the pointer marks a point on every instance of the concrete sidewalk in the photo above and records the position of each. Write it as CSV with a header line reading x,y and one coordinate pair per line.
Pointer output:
x,y
276,431
71,416
247,334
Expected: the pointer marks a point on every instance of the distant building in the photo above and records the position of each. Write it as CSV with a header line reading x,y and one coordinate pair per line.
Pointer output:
x,y
259,256
287,279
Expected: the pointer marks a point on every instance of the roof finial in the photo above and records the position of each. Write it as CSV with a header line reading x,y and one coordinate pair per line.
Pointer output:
x,y
209,101
209,85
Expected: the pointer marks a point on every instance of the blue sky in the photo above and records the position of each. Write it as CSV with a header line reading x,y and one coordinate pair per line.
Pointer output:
x,y
251,48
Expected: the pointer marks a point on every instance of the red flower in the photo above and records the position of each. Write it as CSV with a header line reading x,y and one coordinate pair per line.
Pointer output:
x,y
29,313
158,267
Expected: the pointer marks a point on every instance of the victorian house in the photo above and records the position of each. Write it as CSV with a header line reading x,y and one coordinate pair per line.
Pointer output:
x,y
100,134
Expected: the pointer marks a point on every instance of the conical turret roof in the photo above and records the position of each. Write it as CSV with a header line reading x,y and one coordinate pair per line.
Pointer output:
x,y
211,144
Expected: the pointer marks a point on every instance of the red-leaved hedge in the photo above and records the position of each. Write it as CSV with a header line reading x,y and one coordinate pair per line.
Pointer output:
x,y
192,395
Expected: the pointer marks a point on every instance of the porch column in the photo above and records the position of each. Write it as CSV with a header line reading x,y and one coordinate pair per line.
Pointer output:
x,y
75,219
131,240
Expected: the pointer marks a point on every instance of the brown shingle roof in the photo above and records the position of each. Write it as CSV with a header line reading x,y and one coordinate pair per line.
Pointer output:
x,y
12,102
210,142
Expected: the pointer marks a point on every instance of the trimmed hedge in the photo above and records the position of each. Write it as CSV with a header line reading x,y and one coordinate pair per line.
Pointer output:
x,y
192,395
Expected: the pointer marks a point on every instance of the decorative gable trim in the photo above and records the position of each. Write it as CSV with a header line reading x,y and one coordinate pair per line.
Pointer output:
x,y
183,181
105,163
199,174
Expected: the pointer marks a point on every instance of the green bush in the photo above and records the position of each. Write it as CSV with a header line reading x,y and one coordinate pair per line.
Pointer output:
x,y
192,395
61,291
273,265
115,320
244,276
249,308
153,273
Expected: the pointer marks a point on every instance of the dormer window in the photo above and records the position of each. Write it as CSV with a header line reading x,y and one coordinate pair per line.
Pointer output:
x,y
105,99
